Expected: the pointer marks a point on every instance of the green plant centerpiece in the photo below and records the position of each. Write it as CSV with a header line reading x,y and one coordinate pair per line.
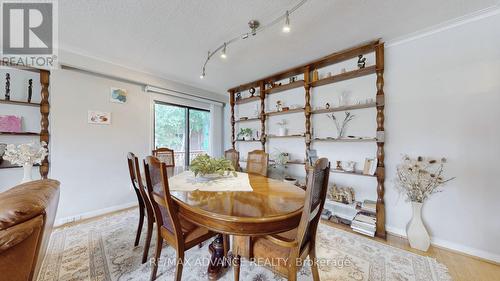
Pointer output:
x,y
206,166
245,134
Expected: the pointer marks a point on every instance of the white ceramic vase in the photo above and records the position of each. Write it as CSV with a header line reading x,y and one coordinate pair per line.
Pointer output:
x,y
415,229
282,131
28,168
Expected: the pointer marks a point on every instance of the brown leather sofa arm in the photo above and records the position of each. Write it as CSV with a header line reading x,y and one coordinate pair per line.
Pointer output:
x,y
17,234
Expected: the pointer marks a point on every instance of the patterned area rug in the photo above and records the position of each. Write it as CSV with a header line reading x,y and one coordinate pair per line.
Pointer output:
x,y
103,250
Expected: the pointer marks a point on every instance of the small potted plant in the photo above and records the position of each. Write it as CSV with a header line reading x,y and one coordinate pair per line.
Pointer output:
x,y
26,155
208,167
417,179
245,134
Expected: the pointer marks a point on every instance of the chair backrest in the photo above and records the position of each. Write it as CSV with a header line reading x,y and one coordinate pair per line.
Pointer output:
x,y
164,208
234,156
257,162
137,183
316,191
165,155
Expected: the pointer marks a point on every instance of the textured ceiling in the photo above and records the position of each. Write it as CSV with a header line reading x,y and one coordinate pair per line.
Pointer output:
x,y
170,38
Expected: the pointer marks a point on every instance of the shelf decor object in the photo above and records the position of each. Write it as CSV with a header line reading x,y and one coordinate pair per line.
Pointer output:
x,y
26,155
312,80
44,112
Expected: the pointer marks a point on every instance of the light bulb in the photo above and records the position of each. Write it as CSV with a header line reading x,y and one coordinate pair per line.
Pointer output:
x,y
202,76
286,27
223,53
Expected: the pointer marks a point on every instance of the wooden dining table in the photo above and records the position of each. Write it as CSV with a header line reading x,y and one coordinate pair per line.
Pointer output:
x,y
273,206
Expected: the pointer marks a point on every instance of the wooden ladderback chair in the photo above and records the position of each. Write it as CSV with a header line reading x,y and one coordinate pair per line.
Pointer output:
x,y
166,155
297,244
175,230
234,156
257,162
145,208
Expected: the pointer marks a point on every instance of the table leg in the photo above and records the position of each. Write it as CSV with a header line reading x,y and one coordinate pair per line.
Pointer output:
x,y
217,260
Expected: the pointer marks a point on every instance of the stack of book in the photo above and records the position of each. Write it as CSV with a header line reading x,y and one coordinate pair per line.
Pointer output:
x,y
364,224
369,206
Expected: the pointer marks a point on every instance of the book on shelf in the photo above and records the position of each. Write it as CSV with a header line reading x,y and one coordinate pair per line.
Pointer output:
x,y
364,224
362,231
369,206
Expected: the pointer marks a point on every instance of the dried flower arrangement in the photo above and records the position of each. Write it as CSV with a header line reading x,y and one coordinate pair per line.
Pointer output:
x,y
204,165
419,178
26,154
341,127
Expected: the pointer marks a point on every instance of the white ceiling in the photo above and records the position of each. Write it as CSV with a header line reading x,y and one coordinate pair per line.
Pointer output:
x,y
171,38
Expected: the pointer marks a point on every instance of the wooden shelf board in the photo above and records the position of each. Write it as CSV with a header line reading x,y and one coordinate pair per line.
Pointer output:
x,y
352,173
344,108
284,137
19,134
347,140
345,76
7,165
285,112
246,120
289,86
19,103
248,140
245,100
293,162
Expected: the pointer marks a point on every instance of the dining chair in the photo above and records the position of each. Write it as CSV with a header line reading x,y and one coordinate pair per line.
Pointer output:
x,y
166,155
145,208
287,251
179,233
234,156
257,162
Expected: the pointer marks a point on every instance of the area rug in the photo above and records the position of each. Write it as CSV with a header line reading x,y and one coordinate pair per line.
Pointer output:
x,y
102,250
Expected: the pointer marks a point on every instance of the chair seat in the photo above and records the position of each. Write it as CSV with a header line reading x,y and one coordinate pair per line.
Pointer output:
x,y
192,233
266,252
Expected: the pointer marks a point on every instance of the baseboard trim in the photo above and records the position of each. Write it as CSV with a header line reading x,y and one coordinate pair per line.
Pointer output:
x,y
452,247
92,214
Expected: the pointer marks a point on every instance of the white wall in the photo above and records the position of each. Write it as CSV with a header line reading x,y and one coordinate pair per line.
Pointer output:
x,y
442,94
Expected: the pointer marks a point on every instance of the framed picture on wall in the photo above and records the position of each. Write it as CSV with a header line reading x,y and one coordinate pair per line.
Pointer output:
x,y
99,118
118,95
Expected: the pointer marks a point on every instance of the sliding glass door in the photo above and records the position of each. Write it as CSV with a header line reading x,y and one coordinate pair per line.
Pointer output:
x,y
184,129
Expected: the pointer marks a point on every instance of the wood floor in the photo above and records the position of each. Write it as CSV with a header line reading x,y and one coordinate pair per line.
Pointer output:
x,y
461,267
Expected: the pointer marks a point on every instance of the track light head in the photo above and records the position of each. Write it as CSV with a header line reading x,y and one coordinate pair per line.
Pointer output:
x,y
286,27
223,53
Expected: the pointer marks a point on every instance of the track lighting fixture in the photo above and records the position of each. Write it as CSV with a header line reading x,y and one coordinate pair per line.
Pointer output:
x,y
255,27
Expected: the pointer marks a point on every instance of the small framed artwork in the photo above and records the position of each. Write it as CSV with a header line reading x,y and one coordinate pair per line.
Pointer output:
x,y
99,118
118,95
10,123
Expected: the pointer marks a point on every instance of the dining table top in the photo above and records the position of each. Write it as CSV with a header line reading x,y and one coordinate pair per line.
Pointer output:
x,y
270,201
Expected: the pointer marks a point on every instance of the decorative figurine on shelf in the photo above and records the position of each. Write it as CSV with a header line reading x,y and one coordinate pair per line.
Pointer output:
x,y
292,79
315,75
283,131
361,62
252,91
349,166
245,134
279,106
327,106
7,86
30,89
339,166
238,96
342,195
341,127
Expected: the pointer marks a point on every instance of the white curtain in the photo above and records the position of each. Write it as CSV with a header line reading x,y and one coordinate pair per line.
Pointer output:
x,y
216,135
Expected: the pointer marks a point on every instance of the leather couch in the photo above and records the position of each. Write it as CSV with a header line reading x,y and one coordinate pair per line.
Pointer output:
x,y
27,214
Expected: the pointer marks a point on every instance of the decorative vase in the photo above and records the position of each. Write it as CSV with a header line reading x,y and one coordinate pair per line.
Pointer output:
x,y
28,168
415,229
282,132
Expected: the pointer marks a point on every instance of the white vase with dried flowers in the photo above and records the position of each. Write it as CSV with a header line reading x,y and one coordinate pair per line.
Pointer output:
x,y
26,155
418,179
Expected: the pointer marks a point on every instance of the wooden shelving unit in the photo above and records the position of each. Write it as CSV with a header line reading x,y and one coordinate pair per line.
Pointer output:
x,y
285,137
306,70
247,120
44,115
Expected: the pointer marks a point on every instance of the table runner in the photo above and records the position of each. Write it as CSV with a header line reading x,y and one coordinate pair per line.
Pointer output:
x,y
186,181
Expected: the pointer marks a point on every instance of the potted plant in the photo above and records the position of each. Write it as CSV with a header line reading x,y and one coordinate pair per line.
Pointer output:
x,y
208,167
26,155
245,132
281,159
417,179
